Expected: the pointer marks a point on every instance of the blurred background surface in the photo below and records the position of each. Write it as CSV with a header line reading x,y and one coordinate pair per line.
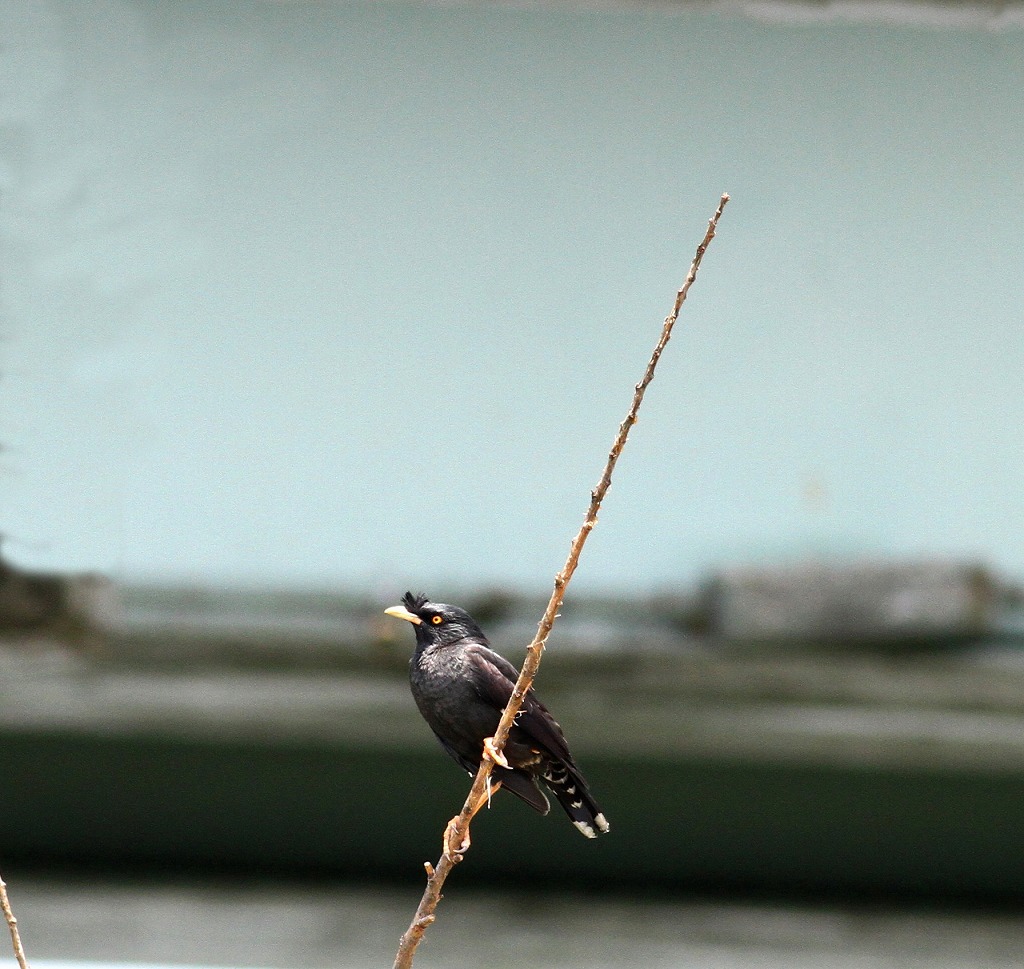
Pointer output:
x,y
355,294
305,304
283,925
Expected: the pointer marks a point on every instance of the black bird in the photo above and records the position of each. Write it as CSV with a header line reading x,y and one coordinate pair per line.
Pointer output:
x,y
461,687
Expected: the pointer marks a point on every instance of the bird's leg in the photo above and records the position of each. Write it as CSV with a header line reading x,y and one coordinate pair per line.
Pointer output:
x,y
452,849
492,753
450,846
497,757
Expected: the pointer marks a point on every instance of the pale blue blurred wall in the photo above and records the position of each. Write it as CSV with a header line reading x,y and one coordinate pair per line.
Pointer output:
x,y
356,294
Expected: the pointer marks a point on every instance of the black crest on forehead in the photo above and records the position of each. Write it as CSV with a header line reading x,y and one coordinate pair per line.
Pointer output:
x,y
414,603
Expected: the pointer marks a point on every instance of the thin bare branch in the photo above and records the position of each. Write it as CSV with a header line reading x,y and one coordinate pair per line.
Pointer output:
x,y
459,828
12,924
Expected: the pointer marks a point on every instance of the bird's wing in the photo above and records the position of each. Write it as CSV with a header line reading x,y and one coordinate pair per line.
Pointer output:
x,y
464,762
494,677
524,786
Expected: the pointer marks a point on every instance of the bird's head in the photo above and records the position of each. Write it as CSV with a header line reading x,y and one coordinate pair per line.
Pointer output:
x,y
436,623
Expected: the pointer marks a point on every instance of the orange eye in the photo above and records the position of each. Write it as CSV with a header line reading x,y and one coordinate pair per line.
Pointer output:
x,y
437,620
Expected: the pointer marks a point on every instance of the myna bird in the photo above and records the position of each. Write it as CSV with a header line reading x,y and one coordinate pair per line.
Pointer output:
x,y
462,686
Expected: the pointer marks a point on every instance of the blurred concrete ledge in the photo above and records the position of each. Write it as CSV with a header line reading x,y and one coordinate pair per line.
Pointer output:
x,y
946,14
882,606
850,603
655,707
76,610
275,731
921,663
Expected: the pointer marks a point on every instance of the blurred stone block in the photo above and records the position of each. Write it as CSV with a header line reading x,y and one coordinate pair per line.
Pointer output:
x,y
78,610
861,602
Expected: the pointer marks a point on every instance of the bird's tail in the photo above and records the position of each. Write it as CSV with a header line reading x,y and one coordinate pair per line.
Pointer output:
x,y
571,792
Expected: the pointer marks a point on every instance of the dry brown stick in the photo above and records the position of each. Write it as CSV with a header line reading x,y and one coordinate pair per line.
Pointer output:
x,y
12,924
436,875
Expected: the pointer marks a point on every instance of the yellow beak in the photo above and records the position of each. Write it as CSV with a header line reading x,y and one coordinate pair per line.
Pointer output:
x,y
400,612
